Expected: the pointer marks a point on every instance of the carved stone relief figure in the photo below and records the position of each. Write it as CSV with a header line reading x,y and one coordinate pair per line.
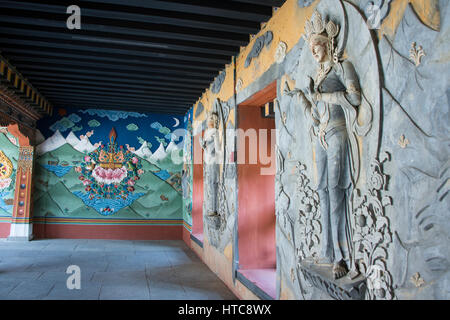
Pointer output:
x,y
338,107
219,176
331,101
211,144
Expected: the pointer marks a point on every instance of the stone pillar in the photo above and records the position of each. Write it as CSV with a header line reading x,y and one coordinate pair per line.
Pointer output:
x,y
21,223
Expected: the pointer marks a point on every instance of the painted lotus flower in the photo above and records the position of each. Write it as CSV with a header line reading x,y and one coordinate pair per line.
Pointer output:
x,y
109,176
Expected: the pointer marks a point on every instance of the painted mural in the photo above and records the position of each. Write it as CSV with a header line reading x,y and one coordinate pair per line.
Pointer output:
x,y
9,154
109,164
187,173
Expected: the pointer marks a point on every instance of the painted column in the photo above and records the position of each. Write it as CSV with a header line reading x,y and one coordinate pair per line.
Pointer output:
x,y
21,223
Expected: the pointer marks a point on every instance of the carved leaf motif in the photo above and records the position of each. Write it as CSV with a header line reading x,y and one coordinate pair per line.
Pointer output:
x,y
381,263
332,29
386,201
381,223
316,197
357,237
317,226
308,29
380,253
317,23
366,258
387,237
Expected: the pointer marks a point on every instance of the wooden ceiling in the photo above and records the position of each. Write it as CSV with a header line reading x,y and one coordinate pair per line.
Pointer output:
x,y
131,55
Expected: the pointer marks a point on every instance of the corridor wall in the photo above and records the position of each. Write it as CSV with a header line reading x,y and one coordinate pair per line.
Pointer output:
x,y
398,203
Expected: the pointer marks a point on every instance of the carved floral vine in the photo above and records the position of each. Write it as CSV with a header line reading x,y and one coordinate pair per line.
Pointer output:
x,y
372,235
222,205
309,215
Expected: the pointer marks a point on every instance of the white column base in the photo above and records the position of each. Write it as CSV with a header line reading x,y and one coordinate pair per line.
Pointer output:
x,y
21,232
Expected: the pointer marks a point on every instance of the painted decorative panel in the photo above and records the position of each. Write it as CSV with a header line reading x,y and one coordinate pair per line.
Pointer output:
x,y
109,164
9,155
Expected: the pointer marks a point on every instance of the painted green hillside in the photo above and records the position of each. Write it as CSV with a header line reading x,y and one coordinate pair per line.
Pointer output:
x,y
167,163
54,196
65,153
9,149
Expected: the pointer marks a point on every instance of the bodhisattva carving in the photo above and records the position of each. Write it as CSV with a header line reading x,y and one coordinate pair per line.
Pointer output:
x,y
331,102
211,144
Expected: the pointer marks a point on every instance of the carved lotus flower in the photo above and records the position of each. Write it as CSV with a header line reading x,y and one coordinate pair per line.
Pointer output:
x,y
363,223
376,181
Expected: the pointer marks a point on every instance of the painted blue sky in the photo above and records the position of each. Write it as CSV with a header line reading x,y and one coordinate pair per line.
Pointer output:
x,y
130,126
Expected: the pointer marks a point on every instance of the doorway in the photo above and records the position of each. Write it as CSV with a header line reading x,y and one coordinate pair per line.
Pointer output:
x,y
256,197
197,191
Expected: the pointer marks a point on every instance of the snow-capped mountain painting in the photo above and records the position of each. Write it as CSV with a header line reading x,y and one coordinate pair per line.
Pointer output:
x,y
52,143
159,154
144,151
72,139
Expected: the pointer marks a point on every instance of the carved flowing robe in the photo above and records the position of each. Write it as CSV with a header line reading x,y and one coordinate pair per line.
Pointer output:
x,y
336,154
211,145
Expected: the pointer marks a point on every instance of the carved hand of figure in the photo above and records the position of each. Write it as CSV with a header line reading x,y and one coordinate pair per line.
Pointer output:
x,y
293,92
314,96
202,143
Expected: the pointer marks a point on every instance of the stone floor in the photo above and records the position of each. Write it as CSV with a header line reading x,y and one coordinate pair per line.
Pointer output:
x,y
110,269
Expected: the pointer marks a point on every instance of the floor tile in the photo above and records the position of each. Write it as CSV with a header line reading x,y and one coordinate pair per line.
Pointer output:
x,y
110,269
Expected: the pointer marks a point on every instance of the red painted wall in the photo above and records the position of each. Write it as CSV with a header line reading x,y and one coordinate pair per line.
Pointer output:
x,y
197,190
120,232
256,196
187,237
4,229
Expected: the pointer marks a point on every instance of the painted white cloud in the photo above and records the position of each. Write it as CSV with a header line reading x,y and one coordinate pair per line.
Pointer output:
x,y
113,115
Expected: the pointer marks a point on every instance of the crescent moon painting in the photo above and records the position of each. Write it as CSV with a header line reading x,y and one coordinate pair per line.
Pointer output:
x,y
177,122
